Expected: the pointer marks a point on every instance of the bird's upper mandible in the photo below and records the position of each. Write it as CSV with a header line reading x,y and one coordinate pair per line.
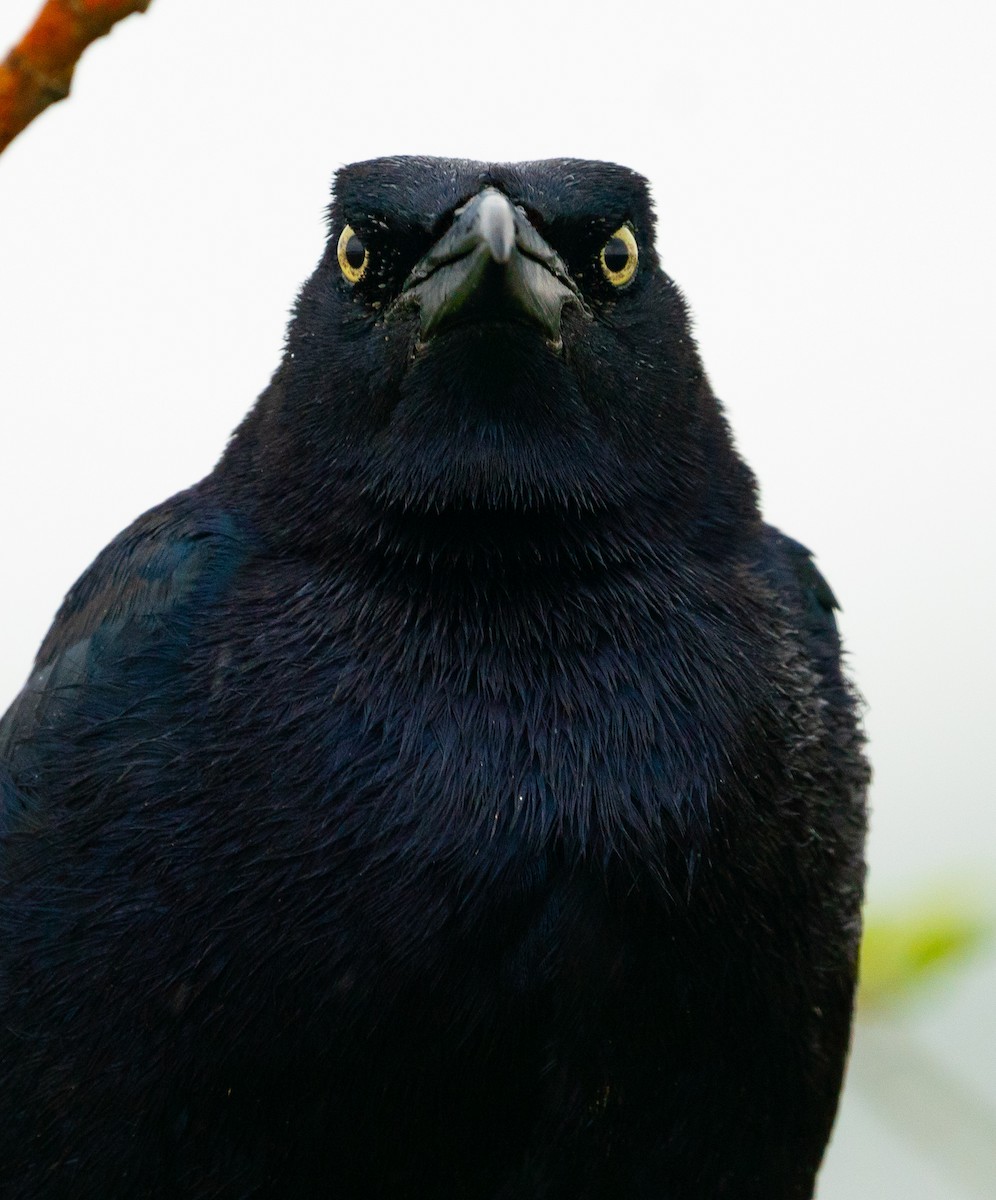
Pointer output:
x,y
490,259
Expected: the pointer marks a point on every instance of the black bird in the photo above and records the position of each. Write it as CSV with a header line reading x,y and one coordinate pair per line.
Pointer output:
x,y
455,795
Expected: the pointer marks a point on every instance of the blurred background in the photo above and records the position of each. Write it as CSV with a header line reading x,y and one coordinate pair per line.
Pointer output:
x,y
826,200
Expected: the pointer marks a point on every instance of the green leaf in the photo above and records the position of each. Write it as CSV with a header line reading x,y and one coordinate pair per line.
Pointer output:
x,y
902,951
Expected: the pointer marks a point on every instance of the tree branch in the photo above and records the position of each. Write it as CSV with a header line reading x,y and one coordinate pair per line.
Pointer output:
x,y
39,70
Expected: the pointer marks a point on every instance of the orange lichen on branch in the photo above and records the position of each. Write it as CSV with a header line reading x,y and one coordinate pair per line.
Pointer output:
x,y
39,70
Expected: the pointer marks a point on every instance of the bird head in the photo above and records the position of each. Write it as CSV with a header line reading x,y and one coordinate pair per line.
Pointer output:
x,y
486,337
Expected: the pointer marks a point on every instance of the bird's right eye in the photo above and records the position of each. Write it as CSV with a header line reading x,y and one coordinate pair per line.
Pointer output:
x,y
353,255
619,257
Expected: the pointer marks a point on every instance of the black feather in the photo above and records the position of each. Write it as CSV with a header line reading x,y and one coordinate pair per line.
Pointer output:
x,y
456,793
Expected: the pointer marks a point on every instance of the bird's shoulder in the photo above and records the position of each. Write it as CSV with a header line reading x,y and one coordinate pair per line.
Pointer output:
x,y
180,551
125,624
790,568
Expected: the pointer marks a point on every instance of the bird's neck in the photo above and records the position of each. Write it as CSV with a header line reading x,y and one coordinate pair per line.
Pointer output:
x,y
701,504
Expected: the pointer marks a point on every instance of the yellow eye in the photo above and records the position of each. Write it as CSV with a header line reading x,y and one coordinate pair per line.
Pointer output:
x,y
619,257
353,255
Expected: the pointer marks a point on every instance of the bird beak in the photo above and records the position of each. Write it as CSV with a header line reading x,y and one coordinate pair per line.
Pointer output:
x,y
490,263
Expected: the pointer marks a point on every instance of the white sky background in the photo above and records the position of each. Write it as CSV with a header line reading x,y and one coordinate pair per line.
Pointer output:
x,y
826,192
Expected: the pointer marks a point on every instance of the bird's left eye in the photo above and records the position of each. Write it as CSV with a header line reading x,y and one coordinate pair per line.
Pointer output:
x,y
353,255
619,257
